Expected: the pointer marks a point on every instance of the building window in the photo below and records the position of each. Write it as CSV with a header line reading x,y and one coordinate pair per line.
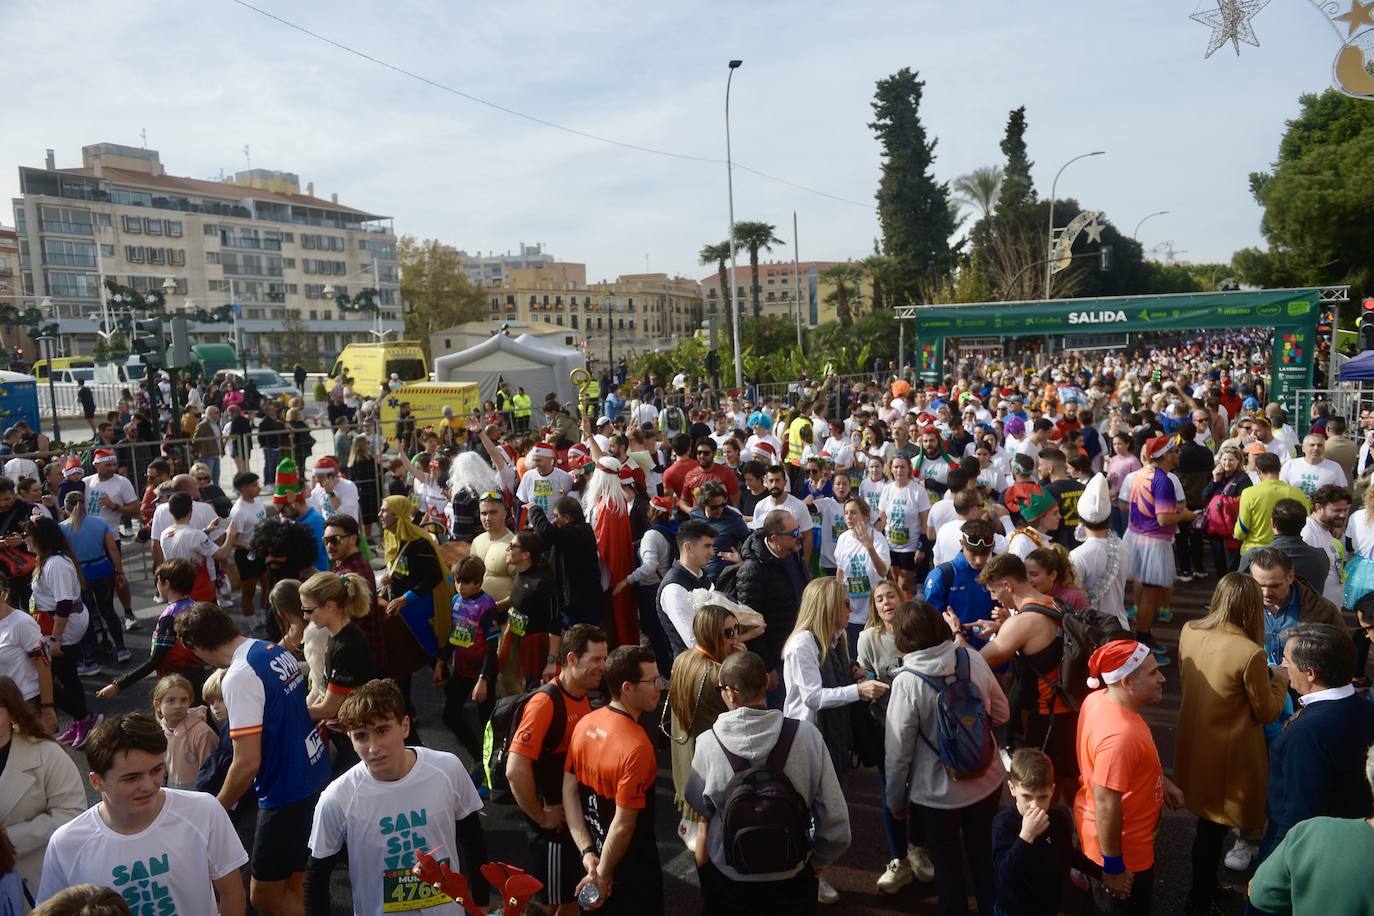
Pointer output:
x,y
135,253
574,322
560,319
211,229
69,220
101,219
152,226
172,227
314,316
133,224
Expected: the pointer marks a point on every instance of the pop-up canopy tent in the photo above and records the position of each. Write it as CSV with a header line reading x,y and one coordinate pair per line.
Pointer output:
x,y
1359,368
523,362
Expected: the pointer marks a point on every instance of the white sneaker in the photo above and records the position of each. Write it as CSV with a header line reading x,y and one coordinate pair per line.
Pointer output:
x,y
825,893
1241,855
687,832
897,876
921,867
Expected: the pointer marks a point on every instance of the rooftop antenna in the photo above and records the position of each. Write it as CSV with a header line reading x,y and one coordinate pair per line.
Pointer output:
x,y
247,157
144,134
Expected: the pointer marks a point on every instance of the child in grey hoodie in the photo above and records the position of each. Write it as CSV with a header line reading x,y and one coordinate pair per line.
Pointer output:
x,y
749,730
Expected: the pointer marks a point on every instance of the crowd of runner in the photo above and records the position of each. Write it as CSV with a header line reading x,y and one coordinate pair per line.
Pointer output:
x,y
963,584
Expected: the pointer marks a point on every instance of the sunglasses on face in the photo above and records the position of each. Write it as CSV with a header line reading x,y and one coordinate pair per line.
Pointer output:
x,y
715,507
706,454
334,540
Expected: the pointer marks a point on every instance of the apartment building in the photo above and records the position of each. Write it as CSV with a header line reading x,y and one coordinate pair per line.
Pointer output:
x,y
779,291
254,241
492,269
12,337
635,312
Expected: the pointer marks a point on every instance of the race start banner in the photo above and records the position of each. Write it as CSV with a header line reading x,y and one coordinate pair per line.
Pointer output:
x,y
1292,314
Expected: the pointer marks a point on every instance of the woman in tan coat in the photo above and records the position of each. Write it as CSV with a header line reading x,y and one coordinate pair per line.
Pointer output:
x,y
1229,695
40,786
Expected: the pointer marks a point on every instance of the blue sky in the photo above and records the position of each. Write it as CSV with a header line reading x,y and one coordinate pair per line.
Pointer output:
x,y
206,77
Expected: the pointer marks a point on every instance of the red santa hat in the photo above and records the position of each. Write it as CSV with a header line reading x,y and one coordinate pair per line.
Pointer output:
x,y
1116,661
627,474
663,504
1160,446
542,450
103,455
766,448
73,465
326,465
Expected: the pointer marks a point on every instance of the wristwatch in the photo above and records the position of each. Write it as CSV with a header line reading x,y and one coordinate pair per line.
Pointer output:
x,y
551,659
589,850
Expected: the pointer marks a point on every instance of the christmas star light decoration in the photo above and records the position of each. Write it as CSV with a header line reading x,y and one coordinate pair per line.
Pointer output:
x,y
1359,16
1230,22
1094,231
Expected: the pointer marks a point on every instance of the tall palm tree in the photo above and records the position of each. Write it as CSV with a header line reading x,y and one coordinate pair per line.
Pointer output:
x,y
847,278
756,236
879,267
719,255
980,187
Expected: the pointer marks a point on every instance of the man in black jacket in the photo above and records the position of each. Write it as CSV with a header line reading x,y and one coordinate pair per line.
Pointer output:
x,y
1316,764
770,580
573,558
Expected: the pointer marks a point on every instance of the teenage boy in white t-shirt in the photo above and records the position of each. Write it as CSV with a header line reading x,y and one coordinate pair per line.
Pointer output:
x,y
246,516
398,802
162,850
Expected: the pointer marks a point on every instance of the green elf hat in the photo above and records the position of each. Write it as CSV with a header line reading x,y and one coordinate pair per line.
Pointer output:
x,y
288,485
1037,505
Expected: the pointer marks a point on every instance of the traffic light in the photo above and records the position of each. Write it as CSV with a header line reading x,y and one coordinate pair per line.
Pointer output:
x,y
148,341
1104,258
181,344
1366,324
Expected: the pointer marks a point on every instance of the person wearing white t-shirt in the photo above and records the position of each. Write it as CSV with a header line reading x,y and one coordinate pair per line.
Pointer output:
x,y
1324,530
245,517
333,494
162,850
863,557
872,486
182,540
1313,470
775,483
202,514
108,494
967,504
398,803
827,512
543,484
903,509
1101,562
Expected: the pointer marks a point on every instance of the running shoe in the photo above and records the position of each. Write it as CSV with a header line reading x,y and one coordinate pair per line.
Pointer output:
x,y
123,656
1165,615
1241,856
921,867
66,736
825,893
896,876
88,669
131,623
83,731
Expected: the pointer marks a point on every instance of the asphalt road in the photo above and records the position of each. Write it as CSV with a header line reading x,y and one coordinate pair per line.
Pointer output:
x,y
853,876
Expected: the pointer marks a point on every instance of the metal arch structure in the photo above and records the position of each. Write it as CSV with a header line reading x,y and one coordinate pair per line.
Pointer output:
x,y
1293,315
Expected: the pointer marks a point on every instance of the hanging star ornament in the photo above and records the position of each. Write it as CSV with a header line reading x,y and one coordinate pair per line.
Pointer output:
x,y
1094,231
1359,16
1230,21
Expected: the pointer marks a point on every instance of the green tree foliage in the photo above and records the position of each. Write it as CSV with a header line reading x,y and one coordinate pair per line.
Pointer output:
x,y
847,279
756,237
719,255
980,188
1017,189
436,289
913,208
1318,200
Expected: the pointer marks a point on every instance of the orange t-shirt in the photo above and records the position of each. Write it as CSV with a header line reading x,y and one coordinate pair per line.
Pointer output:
x,y
536,719
611,755
1117,751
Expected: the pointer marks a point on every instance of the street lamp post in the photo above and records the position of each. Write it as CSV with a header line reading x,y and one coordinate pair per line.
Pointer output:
x,y
730,185
610,330
51,341
1054,187
1135,234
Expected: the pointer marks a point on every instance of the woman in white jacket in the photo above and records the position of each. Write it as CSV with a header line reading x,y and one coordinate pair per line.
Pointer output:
x,y
954,813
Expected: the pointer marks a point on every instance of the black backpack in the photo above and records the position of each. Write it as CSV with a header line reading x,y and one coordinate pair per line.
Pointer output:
x,y
766,822
1083,633
727,583
501,727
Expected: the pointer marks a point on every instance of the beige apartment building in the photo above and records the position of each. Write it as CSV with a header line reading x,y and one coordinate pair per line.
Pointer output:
x,y
12,337
779,291
635,312
254,241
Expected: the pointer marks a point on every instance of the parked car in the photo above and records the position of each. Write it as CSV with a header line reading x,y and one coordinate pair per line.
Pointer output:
x,y
270,383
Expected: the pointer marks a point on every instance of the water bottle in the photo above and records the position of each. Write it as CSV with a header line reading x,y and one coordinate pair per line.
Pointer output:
x,y
589,896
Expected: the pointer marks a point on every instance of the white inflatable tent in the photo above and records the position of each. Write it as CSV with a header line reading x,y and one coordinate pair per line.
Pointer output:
x,y
523,362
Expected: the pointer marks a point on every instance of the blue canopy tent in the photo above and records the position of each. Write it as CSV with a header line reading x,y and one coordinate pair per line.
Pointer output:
x,y
1359,368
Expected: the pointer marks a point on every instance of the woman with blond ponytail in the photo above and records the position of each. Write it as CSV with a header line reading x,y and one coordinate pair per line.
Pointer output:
x,y
332,601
